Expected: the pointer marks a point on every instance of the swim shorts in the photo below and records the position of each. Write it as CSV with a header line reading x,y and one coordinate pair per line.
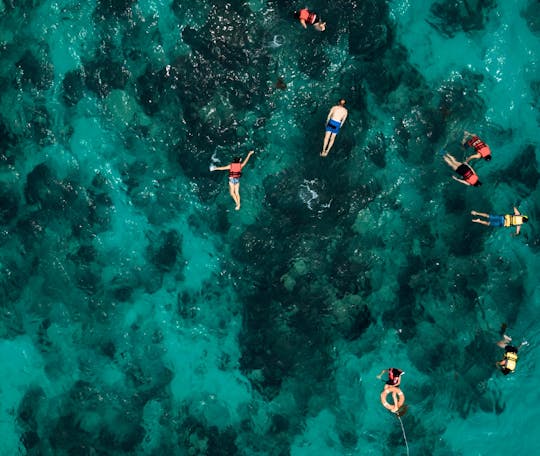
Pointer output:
x,y
496,220
234,180
333,126
463,169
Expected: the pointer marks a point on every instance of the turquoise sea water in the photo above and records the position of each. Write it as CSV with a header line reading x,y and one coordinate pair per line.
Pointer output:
x,y
141,314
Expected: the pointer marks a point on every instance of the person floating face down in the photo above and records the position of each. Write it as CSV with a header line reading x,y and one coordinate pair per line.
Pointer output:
x,y
235,172
468,175
508,364
334,121
498,221
307,17
509,361
481,149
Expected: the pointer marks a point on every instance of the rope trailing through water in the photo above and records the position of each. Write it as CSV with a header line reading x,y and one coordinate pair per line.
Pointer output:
x,y
404,435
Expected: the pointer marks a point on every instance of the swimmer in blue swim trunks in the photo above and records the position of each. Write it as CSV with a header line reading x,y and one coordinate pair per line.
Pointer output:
x,y
334,121
502,220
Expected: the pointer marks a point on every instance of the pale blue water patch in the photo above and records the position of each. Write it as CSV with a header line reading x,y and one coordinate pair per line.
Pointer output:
x,y
433,54
319,437
22,366
506,55
513,63
215,395
170,26
67,28
201,260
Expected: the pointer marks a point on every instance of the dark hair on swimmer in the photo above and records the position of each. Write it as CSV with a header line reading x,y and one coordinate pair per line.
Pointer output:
x,y
297,14
396,372
488,158
478,184
237,159
525,219
342,101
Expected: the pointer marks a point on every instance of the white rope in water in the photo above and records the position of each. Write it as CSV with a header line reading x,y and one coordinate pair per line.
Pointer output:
x,y
404,435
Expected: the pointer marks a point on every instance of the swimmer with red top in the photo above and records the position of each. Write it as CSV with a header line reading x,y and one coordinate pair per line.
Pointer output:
x,y
481,148
468,175
306,17
235,172
391,386
394,377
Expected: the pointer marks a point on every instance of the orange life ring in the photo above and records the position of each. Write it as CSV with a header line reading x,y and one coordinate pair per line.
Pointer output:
x,y
400,398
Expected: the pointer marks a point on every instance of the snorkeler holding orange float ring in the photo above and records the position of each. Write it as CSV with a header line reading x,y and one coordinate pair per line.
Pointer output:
x,y
392,387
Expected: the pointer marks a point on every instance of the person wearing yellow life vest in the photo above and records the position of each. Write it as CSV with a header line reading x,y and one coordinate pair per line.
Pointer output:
x,y
508,364
235,172
507,220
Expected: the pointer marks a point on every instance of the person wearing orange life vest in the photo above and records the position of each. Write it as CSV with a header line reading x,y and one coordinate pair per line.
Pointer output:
x,y
235,172
306,17
468,175
481,148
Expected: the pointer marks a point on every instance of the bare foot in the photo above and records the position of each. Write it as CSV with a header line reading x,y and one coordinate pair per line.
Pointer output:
x,y
237,207
474,213
324,153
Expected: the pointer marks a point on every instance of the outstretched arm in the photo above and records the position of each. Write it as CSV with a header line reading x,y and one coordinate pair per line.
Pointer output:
x,y
516,212
382,372
250,153
221,168
303,22
466,135
461,181
477,156
518,229
344,117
